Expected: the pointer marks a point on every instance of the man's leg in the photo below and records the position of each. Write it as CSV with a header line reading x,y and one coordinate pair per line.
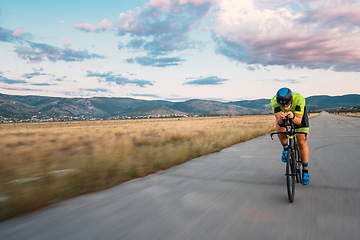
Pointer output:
x,y
304,149
304,155
282,137
284,142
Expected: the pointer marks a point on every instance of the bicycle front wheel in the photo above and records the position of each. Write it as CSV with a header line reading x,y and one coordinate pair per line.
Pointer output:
x,y
290,176
298,164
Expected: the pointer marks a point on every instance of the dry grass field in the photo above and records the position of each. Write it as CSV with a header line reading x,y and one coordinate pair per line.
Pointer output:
x,y
355,114
42,163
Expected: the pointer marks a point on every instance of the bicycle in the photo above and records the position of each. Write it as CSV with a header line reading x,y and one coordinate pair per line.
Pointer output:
x,y
293,164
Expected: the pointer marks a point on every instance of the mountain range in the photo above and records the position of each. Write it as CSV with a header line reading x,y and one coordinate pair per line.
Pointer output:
x,y
23,107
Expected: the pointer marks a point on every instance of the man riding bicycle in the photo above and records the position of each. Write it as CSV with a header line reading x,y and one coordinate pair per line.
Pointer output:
x,y
291,105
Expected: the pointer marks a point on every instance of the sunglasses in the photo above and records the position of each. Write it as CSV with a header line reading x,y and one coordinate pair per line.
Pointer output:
x,y
285,104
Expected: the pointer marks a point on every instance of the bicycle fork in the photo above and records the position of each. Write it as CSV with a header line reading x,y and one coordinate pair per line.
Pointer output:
x,y
292,157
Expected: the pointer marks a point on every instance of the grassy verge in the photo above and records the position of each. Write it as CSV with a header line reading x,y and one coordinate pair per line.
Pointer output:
x,y
42,163
354,114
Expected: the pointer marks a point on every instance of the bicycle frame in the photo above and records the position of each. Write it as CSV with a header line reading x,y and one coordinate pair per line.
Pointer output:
x,y
293,163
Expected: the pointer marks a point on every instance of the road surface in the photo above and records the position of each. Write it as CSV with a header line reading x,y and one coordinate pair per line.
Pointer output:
x,y
238,193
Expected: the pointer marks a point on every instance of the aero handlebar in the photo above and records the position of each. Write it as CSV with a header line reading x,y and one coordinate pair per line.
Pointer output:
x,y
290,129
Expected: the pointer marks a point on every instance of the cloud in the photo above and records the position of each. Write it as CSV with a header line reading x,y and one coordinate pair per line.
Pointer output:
x,y
18,32
85,27
323,35
44,84
272,4
99,75
340,14
252,68
156,61
67,42
38,52
31,75
163,26
118,79
102,26
145,95
289,81
11,81
18,89
212,80
7,35
97,90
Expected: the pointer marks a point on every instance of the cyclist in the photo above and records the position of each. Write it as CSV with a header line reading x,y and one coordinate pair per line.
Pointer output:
x,y
292,105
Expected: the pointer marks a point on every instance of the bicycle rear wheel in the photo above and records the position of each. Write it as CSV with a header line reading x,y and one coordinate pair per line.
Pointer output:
x,y
291,175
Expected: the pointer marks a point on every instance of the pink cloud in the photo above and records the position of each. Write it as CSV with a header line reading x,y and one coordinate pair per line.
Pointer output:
x,y
67,42
85,27
163,26
129,22
18,32
339,14
326,37
102,26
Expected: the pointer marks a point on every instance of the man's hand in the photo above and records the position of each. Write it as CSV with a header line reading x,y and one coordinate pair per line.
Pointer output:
x,y
284,115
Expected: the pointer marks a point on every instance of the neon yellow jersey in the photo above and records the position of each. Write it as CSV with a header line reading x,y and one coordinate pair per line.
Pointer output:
x,y
297,106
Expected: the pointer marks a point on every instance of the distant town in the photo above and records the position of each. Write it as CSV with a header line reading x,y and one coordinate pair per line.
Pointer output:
x,y
43,118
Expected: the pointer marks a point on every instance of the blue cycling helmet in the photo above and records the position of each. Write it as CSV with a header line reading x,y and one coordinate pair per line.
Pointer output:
x,y
284,97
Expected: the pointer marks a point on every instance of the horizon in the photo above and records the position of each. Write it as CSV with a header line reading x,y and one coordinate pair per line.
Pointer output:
x,y
31,95
178,50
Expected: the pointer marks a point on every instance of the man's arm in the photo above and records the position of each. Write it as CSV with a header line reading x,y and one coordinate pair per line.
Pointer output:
x,y
295,118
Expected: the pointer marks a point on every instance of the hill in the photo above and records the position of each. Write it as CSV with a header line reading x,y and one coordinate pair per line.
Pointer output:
x,y
316,103
39,107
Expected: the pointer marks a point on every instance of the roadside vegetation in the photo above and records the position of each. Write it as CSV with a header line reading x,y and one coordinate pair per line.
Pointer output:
x,y
351,114
43,163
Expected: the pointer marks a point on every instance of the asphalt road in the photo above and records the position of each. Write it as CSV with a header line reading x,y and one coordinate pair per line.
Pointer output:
x,y
238,193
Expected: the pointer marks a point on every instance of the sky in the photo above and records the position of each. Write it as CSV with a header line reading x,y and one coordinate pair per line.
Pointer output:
x,y
176,50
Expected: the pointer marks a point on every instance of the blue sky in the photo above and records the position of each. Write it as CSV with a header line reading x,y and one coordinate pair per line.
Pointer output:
x,y
179,49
